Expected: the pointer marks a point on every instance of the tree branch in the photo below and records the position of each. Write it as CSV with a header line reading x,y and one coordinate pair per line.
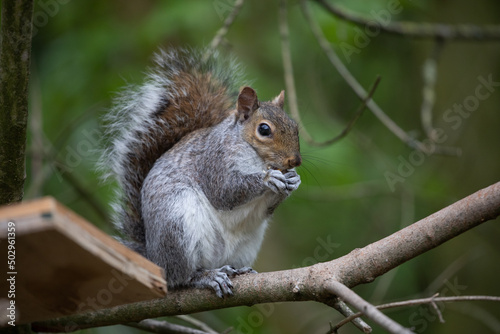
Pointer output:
x,y
292,94
429,76
309,283
157,326
195,322
343,309
224,29
360,91
418,30
15,54
288,70
431,300
367,309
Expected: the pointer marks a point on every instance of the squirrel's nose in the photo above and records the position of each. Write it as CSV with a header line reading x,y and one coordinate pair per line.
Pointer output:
x,y
294,161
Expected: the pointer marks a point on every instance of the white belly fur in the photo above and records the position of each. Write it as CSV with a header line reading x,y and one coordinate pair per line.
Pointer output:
x,y
232,237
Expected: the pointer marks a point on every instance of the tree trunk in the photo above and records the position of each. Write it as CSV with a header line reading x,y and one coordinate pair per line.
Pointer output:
x,y
15,55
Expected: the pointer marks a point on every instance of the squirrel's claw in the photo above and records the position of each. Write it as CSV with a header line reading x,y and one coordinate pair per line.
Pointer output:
x,y
282,183
213,279
292,180
233,272
276,181
219,279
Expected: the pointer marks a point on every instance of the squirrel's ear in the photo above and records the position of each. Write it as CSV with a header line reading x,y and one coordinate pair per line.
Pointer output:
x,y
247,103
280,99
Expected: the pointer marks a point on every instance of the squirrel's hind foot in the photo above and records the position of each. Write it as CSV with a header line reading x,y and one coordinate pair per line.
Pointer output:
x,y
218,279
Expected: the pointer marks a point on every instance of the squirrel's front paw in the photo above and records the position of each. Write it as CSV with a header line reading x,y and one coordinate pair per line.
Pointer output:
x,y
282,183
292,180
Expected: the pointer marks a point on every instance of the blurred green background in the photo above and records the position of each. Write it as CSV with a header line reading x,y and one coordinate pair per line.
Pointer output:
x,y
84,51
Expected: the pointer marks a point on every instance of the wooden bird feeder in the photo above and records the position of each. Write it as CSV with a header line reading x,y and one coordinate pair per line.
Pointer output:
x,y
59,264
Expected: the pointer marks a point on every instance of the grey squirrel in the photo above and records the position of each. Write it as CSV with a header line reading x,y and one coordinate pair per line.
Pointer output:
x,y
201,166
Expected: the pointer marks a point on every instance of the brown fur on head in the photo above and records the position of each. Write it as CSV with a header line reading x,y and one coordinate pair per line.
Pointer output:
x,y
269,130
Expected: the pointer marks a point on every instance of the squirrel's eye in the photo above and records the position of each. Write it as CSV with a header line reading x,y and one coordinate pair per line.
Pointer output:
x,y
264,130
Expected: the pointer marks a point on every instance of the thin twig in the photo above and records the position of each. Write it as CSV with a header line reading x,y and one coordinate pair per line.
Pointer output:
x,y
343,309
429,76
288,69
427,300
292,94
357,114
418,30
224,29
421,301
438,312
195,322
348,77
368,309
361,93
164,327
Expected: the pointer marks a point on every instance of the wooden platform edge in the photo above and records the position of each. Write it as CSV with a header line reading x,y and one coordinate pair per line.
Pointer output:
x,y
104,245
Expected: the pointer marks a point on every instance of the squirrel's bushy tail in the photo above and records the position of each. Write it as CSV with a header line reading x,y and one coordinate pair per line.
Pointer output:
x,y
182,93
